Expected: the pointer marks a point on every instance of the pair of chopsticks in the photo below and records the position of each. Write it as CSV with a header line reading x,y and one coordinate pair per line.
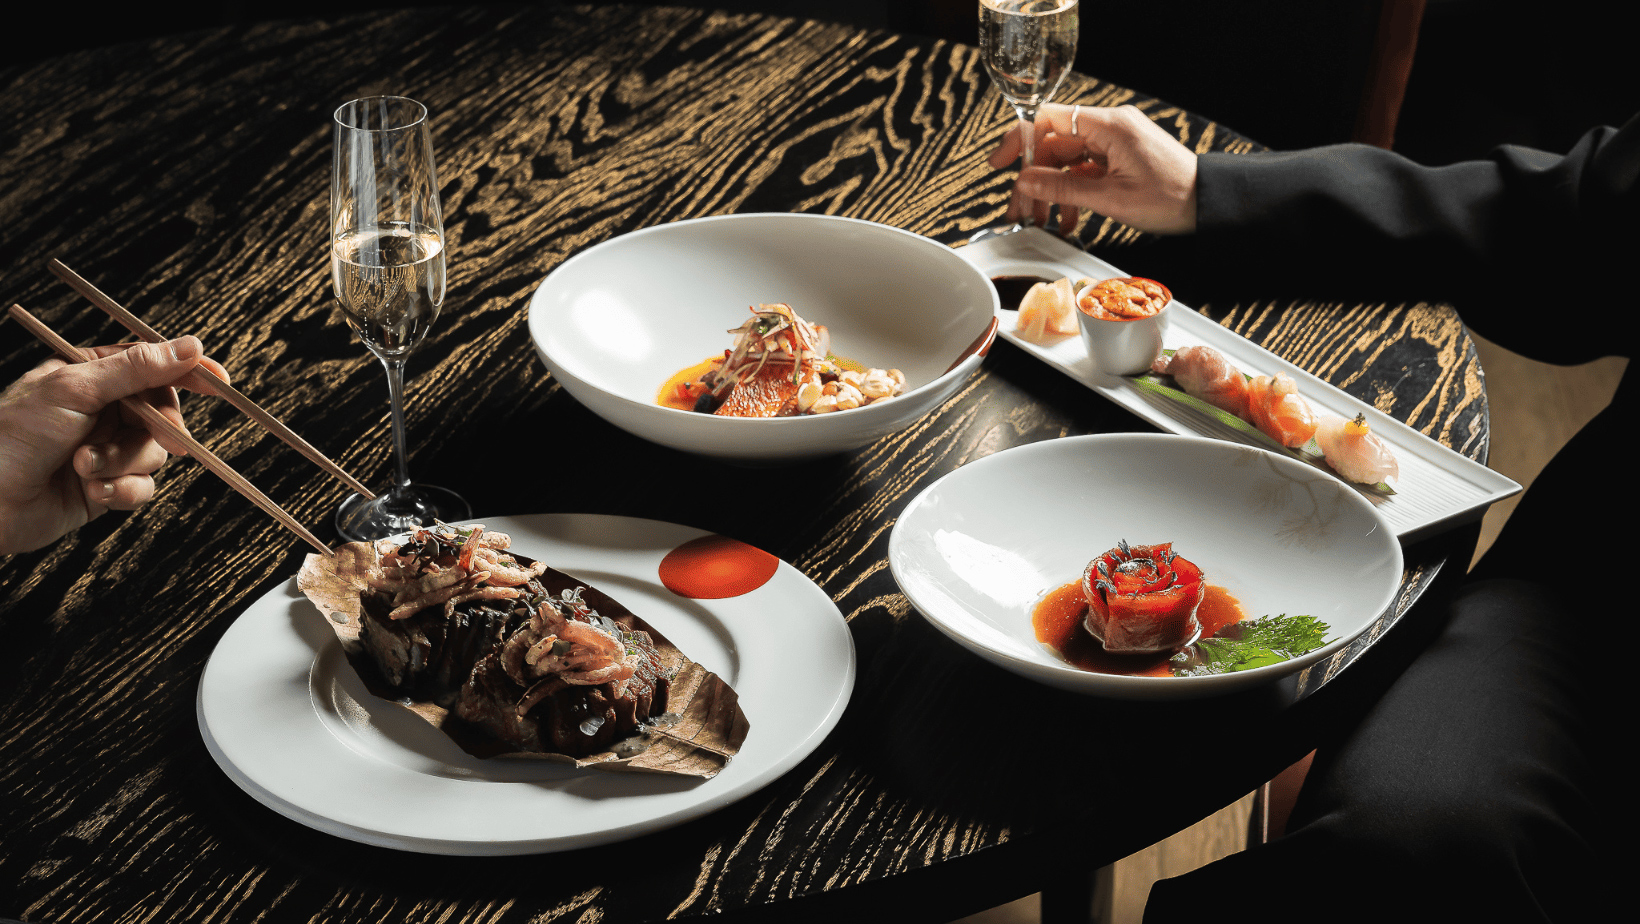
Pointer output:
x,y
159,423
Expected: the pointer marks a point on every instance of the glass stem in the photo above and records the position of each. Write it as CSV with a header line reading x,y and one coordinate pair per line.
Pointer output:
x,y
398,497
1027,134
1027,157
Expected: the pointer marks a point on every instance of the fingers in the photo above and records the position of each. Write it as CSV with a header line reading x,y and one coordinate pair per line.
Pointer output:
x,y
1118,163
127,370
131,453
127,492
1056,150
1008,152
117,474
1051,119
1097,126
200,382
1050,184
165,401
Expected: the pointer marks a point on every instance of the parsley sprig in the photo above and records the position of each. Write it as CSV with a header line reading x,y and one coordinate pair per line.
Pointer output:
x,y
1251,643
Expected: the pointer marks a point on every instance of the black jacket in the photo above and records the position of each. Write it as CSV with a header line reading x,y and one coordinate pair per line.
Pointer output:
x,y
1535,250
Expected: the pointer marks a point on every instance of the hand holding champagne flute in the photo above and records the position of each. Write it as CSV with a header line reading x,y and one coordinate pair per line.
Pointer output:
x,y
387,263
1028,45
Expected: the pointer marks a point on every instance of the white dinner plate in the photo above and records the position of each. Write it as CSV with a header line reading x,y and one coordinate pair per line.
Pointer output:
x,y
289,720
976,550
1438,488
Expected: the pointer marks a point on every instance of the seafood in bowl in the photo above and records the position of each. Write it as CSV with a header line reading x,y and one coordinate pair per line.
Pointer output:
x,y
613,322
984,551
1121,321
1146,611
1143,598
1126,298
779,366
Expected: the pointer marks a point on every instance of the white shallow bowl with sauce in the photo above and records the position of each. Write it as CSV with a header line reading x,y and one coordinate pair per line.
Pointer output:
x,y
614,322
977,550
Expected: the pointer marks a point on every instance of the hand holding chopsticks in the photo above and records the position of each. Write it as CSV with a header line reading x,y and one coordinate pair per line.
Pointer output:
x,y
158,424
136,326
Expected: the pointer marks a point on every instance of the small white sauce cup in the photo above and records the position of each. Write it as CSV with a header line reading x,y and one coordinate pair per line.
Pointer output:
x,y
1122,347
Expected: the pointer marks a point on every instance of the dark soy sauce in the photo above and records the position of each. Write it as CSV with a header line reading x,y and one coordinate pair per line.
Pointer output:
x,y
1011,289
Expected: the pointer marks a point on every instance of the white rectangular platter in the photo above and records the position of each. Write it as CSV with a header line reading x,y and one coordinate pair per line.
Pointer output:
x,y
1438,488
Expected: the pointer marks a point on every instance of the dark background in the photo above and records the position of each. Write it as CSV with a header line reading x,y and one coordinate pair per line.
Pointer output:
x,y
1287,73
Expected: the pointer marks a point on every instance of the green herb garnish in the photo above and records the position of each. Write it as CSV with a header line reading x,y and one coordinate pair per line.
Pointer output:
x,y
1249,644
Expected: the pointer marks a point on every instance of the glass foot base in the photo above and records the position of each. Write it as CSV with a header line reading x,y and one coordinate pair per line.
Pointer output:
x,y
360,520
998,231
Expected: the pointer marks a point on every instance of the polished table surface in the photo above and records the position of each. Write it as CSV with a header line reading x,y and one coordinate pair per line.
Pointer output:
x,y
188,178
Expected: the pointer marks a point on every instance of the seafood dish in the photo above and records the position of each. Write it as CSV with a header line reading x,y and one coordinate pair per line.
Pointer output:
x,y
1205,373
1354,451
1272,405
495,647
1125,298
1144,610
451,615
1143,598
780,365
1047,310
569,680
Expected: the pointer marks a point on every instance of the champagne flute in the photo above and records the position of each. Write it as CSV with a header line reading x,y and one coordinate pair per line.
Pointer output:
x,y
1027,45
387,262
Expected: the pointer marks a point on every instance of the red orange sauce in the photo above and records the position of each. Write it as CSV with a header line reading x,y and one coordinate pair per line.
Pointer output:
x,y
714,567
1058,618
675,393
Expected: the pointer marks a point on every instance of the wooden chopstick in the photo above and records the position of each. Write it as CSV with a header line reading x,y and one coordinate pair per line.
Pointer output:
x,y
159,423
204,376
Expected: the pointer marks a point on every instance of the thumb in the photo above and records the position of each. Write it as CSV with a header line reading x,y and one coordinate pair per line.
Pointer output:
x,y
103,381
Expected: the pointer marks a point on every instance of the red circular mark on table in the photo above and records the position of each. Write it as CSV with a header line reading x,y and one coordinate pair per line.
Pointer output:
x,y
714,567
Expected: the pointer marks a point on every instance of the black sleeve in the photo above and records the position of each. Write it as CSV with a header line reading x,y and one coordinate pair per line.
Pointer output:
x,y
1532,248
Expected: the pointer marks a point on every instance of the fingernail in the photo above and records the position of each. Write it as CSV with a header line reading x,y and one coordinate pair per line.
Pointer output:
x,y
185,349
98,460
105,490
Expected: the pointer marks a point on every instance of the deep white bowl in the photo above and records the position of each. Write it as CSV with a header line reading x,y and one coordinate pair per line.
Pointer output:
x,y
976,550
614,322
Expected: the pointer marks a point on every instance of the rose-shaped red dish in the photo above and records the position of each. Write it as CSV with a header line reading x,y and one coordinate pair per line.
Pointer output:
x,y
1143,598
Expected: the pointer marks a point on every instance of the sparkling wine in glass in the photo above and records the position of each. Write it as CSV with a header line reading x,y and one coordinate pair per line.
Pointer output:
x,y
1027,45
387,262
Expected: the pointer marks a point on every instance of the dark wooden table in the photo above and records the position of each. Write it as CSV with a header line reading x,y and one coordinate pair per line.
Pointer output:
x,y
188,177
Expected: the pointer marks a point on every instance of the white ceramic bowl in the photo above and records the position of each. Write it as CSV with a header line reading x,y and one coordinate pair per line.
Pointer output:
x,y
614,322
976,550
